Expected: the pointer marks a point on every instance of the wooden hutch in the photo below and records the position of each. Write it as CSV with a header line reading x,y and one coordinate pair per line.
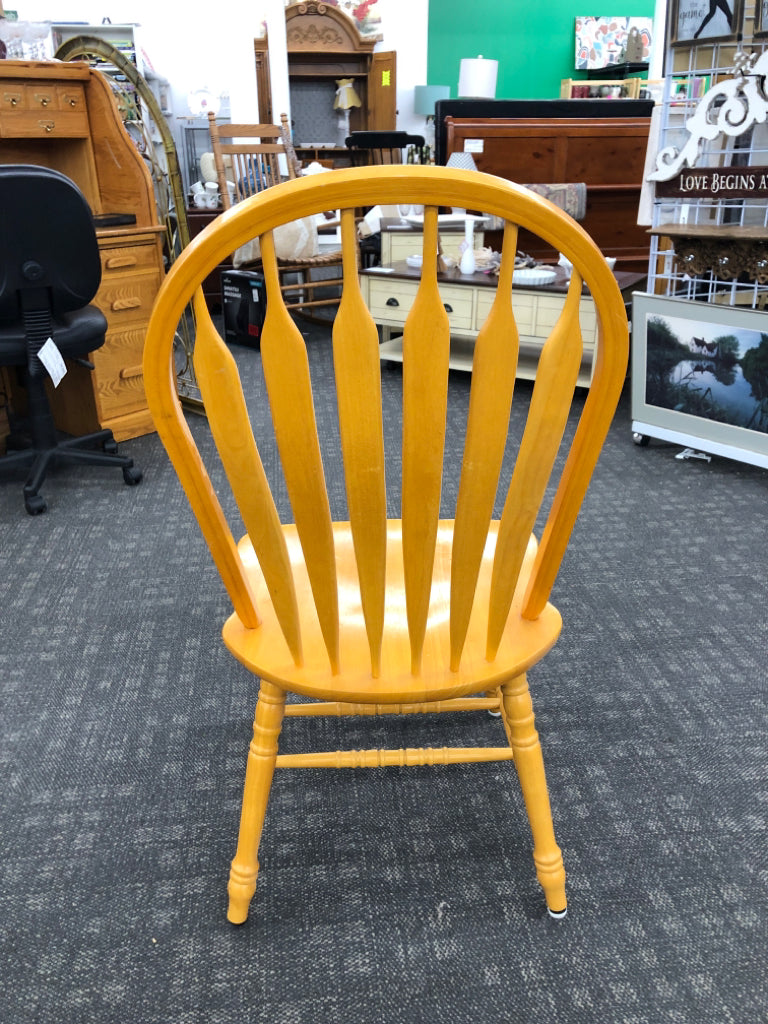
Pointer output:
x,y
324,45
64,116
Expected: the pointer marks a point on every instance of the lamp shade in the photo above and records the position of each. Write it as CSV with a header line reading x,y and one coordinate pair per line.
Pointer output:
x,y
477,77
426,96
462,161
346,96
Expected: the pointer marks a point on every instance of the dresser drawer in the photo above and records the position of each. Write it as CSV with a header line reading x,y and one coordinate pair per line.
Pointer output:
x,y
125,259
127,298
392,300
118,376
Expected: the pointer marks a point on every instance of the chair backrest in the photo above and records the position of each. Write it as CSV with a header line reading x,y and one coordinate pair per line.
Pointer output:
x,y
247,158
382,147
488,477
49,255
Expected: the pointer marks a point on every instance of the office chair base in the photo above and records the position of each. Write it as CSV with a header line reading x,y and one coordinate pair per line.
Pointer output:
x,y
77,449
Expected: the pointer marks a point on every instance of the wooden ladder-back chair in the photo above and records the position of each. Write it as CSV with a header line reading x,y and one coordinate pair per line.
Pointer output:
x,y
247,159
377,615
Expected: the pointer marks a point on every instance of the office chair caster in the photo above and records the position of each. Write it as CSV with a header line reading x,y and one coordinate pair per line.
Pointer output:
x,y
35,504
132,475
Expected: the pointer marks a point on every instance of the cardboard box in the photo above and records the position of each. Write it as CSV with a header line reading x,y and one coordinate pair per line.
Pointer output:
x,y
245,303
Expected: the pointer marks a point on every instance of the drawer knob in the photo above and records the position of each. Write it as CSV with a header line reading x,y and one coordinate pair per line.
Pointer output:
x,y
48,126
121,304
44,101
14,101
131,371
113,262
447,307
392,302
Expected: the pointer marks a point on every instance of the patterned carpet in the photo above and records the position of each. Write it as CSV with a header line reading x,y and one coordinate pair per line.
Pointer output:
x,y
399,895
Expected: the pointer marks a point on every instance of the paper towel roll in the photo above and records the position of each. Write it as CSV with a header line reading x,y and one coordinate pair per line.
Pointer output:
x,y
477,77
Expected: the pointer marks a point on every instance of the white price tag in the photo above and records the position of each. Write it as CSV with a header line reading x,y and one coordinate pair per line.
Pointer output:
x,y
52,360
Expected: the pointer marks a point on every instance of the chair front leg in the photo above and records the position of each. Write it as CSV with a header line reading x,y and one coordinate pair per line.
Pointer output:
x,y
517,714
258,781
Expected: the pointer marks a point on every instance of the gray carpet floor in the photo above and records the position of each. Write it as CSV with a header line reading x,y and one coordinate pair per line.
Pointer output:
x,y
399,895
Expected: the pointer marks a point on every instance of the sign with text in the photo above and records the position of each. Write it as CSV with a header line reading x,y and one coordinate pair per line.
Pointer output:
x,y
716,183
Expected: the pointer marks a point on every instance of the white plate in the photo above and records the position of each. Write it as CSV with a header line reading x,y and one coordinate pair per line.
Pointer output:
x,y
414,261
534,275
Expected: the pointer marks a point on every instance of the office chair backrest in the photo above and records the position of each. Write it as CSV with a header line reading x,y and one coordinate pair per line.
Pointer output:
x,y
382,147
48,248
487,458
247,157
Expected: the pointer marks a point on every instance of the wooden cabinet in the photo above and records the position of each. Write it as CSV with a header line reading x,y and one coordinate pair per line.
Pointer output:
x,y
399,242
63,116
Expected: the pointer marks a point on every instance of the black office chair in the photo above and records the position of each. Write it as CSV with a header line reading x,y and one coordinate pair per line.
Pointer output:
x,y
49,273
383,147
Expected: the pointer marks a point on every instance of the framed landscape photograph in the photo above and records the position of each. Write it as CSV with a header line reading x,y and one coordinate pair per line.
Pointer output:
x,y
700,376
761,18
705,21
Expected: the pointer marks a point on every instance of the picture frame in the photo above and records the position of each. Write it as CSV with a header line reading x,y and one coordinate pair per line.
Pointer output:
x,y
696,22
700,376
761,18
689,88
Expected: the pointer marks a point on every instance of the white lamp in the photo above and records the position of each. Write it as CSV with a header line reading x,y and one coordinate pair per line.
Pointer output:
x,y
477,77
346,98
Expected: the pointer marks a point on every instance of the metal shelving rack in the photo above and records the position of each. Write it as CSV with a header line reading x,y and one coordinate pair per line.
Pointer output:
x,y
687,68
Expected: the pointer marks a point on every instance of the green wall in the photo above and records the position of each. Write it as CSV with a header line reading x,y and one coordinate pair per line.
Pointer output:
x,y
533,42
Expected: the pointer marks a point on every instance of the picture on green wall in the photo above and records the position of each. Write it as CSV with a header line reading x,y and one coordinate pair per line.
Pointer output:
x,y
601,42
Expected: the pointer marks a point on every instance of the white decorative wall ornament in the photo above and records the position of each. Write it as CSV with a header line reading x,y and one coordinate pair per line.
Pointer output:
x,y
729,108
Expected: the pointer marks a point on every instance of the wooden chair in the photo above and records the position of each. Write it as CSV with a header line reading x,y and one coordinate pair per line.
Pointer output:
x,y
247,159
421,613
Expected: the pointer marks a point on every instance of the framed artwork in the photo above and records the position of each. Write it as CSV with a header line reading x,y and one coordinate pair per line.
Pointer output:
x,y
761,17
688,88
705,21
601,42
700,376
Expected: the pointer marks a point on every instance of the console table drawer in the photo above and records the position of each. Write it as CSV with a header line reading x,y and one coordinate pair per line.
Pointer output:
x,y
536,314
392,300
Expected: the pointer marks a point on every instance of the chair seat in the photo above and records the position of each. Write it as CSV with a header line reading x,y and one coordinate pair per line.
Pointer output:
x,y
74,334
264,651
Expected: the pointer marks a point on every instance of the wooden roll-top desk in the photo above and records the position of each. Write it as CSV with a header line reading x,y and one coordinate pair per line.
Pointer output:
x,y
64,116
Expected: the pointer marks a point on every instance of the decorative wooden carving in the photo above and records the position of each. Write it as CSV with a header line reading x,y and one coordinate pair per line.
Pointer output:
x,y
727,259
312,26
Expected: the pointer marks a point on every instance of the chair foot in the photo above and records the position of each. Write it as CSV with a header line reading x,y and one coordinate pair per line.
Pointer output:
x,y
558,915
242,886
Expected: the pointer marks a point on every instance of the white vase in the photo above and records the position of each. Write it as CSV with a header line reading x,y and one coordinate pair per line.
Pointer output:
x,y
467,263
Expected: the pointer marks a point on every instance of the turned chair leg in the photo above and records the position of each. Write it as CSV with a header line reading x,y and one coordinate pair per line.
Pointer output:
x,y
258,781
517,714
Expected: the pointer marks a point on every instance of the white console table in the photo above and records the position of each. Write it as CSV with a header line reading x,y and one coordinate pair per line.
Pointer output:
x,y
389,294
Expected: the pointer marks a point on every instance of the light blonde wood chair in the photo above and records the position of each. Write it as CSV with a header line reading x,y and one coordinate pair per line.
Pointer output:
x,y
421,613
247,160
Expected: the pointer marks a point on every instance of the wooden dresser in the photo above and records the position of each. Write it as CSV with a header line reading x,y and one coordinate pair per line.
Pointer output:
x,y
64,116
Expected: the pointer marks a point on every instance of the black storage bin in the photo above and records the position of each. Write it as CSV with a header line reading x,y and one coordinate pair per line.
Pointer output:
x,y
245,303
